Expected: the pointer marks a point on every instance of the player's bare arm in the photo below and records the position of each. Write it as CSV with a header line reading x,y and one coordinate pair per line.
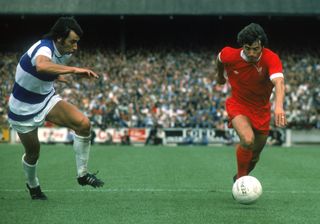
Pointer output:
x,y
45,65
220,72
279,113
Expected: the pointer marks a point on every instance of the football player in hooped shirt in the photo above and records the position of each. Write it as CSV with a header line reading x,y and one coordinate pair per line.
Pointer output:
x,y
34,100
252,71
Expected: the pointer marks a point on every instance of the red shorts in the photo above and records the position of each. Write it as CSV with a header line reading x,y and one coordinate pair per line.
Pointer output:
x,y
259,117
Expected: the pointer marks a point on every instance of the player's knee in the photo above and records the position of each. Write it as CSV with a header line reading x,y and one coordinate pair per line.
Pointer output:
x,y
31,157
84,126
34,157
247,141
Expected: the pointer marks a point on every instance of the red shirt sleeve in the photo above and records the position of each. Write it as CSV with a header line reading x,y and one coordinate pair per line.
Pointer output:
x,y
273,63
226,55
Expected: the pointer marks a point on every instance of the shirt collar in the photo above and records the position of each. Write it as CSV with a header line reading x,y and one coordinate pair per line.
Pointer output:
x,y
56,52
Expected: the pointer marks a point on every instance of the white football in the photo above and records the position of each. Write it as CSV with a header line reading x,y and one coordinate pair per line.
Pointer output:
x,y
246,190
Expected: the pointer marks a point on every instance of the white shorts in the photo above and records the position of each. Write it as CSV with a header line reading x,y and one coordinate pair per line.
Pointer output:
x,y
37,121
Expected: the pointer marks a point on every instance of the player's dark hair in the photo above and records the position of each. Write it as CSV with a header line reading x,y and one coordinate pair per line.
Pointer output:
x,y
252,33
62,28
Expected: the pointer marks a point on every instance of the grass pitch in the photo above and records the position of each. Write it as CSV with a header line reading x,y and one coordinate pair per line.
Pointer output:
x,y
146,185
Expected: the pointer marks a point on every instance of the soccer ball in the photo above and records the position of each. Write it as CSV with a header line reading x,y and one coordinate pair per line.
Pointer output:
x,y
246,190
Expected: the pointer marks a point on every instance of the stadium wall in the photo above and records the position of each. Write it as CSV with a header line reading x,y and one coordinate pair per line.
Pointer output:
x,y
172,136
163,7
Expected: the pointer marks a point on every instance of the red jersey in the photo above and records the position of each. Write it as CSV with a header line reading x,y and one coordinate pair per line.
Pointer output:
x,y
251,82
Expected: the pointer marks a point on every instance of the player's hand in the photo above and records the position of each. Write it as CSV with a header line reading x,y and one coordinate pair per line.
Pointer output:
x,y
280,118
221,80
87,73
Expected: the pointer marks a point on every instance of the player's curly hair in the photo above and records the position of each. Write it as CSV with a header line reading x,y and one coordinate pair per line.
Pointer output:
x,y
62,28
252,33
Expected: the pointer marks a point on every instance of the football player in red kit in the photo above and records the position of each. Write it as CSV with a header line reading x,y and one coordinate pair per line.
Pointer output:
x,y
252,71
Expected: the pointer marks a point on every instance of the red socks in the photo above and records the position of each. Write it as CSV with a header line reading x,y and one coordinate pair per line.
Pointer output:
x,y
244,157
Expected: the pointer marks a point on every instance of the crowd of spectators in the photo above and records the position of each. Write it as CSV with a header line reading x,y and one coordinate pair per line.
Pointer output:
x,y
168,87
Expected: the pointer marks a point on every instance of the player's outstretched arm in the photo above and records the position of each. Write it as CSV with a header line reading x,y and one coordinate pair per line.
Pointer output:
x,y
279,113
45,65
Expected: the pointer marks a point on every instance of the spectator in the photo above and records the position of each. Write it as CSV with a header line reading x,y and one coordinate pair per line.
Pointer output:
x,y
125,138
275,137
188,139
171,86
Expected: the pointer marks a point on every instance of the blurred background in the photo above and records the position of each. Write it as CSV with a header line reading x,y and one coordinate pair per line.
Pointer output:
x,y
156,60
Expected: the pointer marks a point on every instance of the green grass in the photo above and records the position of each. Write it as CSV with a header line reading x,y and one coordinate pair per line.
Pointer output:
x,y
161,185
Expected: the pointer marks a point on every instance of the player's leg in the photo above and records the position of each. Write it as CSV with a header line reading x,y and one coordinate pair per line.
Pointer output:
x,y
31,145
258,145
244,150
67,115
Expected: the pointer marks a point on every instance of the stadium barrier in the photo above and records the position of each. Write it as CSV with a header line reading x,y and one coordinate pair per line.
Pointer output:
x,y
171,136
4,134
295,137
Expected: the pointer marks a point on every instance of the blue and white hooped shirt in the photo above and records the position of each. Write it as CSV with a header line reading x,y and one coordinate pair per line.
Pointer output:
x,y
32,90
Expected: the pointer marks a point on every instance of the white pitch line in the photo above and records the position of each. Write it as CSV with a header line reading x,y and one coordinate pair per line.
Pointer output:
x,y
128,190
